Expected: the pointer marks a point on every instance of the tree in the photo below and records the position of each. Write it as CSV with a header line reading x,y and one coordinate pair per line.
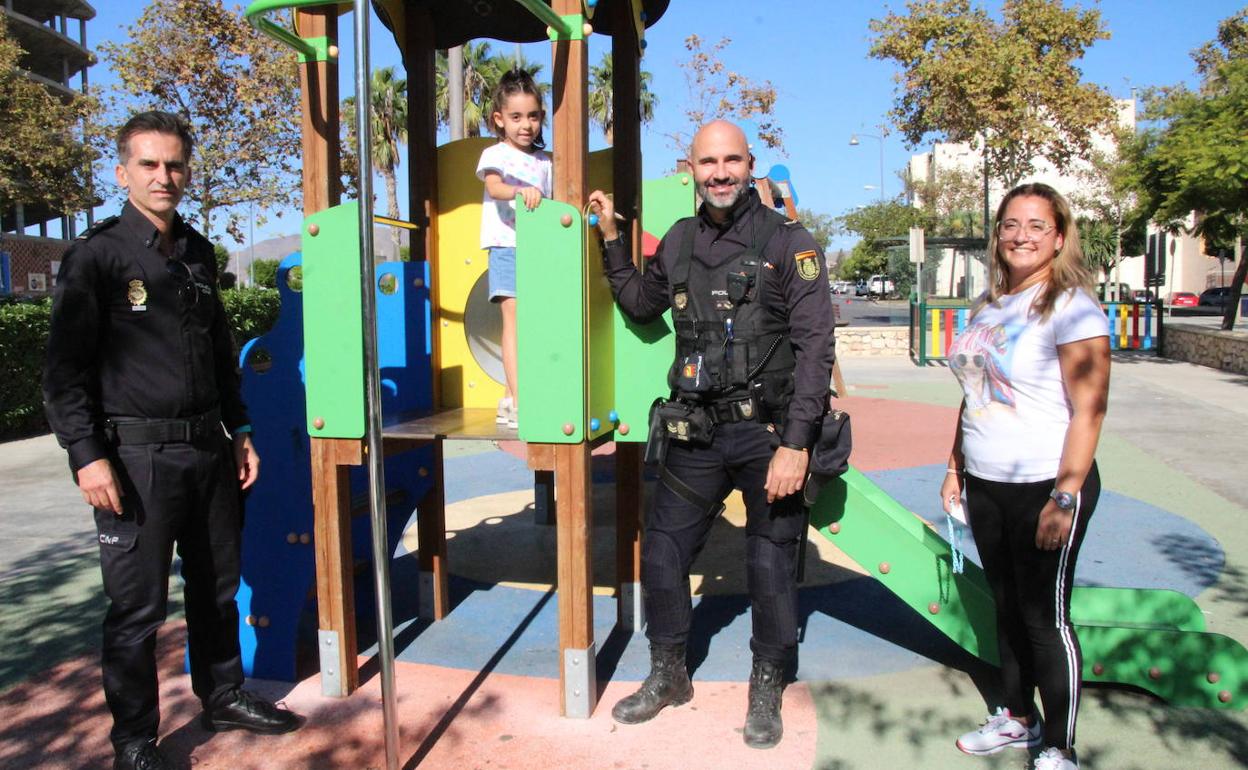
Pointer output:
x,y
264,273
1011,87
715,92
1197,160
601,95
887,219
238,89
388,116
822,227
1106,191
482,71
952,199
44,160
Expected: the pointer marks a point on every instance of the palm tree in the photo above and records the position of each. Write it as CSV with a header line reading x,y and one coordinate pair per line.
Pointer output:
x,y
388,123
480,78
601,94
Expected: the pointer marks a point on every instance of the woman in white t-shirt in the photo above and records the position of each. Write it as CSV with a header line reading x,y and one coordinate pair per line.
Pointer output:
x,y
1034,367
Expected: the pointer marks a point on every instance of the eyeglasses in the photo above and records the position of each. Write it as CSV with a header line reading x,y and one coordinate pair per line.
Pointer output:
x,y
188,292
1032,229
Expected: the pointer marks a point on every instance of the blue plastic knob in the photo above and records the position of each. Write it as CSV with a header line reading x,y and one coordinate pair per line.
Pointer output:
x,y
613,416
593,220
643,43
594,424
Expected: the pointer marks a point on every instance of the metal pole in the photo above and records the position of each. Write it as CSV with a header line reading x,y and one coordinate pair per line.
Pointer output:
x,y
376,456
455,90
881,169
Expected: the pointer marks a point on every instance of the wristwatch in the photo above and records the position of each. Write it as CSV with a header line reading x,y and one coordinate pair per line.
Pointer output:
x,y
1064,500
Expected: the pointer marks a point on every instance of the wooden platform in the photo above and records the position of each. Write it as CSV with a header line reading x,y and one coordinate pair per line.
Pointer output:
x,y
451,424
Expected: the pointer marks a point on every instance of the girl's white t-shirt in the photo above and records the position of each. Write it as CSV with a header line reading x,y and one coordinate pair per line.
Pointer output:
x,y
1017,410
522,169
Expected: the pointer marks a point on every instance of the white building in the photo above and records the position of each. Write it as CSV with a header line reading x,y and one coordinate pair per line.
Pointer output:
x,y
1186,264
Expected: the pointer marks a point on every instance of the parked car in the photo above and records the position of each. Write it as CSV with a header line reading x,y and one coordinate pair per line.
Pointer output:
x,y
1182,299
842,287
1217,297
880,286
1142,295
860,288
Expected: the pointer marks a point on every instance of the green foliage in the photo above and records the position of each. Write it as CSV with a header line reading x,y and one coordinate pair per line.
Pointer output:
x,y
601,94
482,71
223,257
44,159
887,219
388,127
863,261
23,340
251,311
1012,85
238,89
264,273
822,227
1100,243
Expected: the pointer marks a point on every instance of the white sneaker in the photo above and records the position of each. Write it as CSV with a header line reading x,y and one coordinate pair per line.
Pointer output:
x,y
504,410
1000,731
1054,759
513,418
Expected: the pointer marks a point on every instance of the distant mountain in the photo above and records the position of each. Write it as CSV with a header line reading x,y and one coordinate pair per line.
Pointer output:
x,y
283,245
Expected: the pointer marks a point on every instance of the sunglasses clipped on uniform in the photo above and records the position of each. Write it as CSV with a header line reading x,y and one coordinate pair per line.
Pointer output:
x,y
188,292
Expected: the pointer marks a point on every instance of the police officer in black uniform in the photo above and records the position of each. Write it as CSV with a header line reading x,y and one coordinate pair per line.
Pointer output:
x,y
141,387
754,331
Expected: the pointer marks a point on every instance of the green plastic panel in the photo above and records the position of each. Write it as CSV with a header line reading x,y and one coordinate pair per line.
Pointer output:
x,y
1152,639
644,352
550,319
332,324
910,559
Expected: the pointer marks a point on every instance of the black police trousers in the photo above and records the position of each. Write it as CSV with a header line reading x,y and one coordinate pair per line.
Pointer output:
x,y
677,529
183,493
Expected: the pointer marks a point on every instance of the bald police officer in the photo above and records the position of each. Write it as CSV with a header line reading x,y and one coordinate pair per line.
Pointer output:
x,y
140,388
750,384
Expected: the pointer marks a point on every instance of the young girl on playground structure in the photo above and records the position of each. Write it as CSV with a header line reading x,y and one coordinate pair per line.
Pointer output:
x,y
515,167
1034,366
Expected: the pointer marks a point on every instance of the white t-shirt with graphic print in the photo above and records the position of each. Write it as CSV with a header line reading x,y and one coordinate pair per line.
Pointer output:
x,y
1017,410
522,169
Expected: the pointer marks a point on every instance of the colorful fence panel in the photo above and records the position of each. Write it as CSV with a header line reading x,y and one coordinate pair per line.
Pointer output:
x,y
935,324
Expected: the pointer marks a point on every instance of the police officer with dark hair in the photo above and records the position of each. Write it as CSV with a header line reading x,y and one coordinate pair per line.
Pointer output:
x,y
750,384
141,388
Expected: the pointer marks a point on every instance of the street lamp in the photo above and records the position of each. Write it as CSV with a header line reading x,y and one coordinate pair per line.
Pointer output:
x,y
853,142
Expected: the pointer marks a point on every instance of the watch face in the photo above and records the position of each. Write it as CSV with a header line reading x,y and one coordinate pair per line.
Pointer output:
x,y
1064,500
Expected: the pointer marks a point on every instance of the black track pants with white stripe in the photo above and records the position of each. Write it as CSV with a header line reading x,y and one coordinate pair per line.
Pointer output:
x,y
1031,588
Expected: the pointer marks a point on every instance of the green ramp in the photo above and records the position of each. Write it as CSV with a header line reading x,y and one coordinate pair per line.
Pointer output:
x,y
1151,639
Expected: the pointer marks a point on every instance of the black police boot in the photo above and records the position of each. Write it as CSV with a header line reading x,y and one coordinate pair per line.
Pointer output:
x,y
141,755
248,711
667,685
763,727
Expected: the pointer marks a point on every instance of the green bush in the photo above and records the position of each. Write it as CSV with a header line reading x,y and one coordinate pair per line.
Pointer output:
x,y
23,340
251,311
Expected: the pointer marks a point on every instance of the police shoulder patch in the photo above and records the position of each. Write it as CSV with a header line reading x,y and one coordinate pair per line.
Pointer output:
x,y
98,227
807,264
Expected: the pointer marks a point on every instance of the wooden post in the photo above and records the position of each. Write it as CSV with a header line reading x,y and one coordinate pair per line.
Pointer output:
x,y
331,503
422,161
335,591
318,89
626,180
572,474
431,533
577,678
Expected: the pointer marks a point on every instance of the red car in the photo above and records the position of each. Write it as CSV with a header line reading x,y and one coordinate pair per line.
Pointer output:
x,y
1182,299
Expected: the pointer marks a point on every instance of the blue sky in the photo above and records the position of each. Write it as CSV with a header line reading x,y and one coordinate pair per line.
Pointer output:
x,y
815,53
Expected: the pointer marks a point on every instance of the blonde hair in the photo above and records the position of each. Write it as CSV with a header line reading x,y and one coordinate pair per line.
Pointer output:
x,y
1069,271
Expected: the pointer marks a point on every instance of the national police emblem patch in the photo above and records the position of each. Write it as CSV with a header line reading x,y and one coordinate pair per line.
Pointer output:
x,y
807,265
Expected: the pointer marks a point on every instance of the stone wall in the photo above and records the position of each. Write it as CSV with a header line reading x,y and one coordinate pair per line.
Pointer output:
x,y
873,341
1207,346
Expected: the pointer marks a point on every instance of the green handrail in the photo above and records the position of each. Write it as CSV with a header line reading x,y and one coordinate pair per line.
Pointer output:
x,y
547,14
255,14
